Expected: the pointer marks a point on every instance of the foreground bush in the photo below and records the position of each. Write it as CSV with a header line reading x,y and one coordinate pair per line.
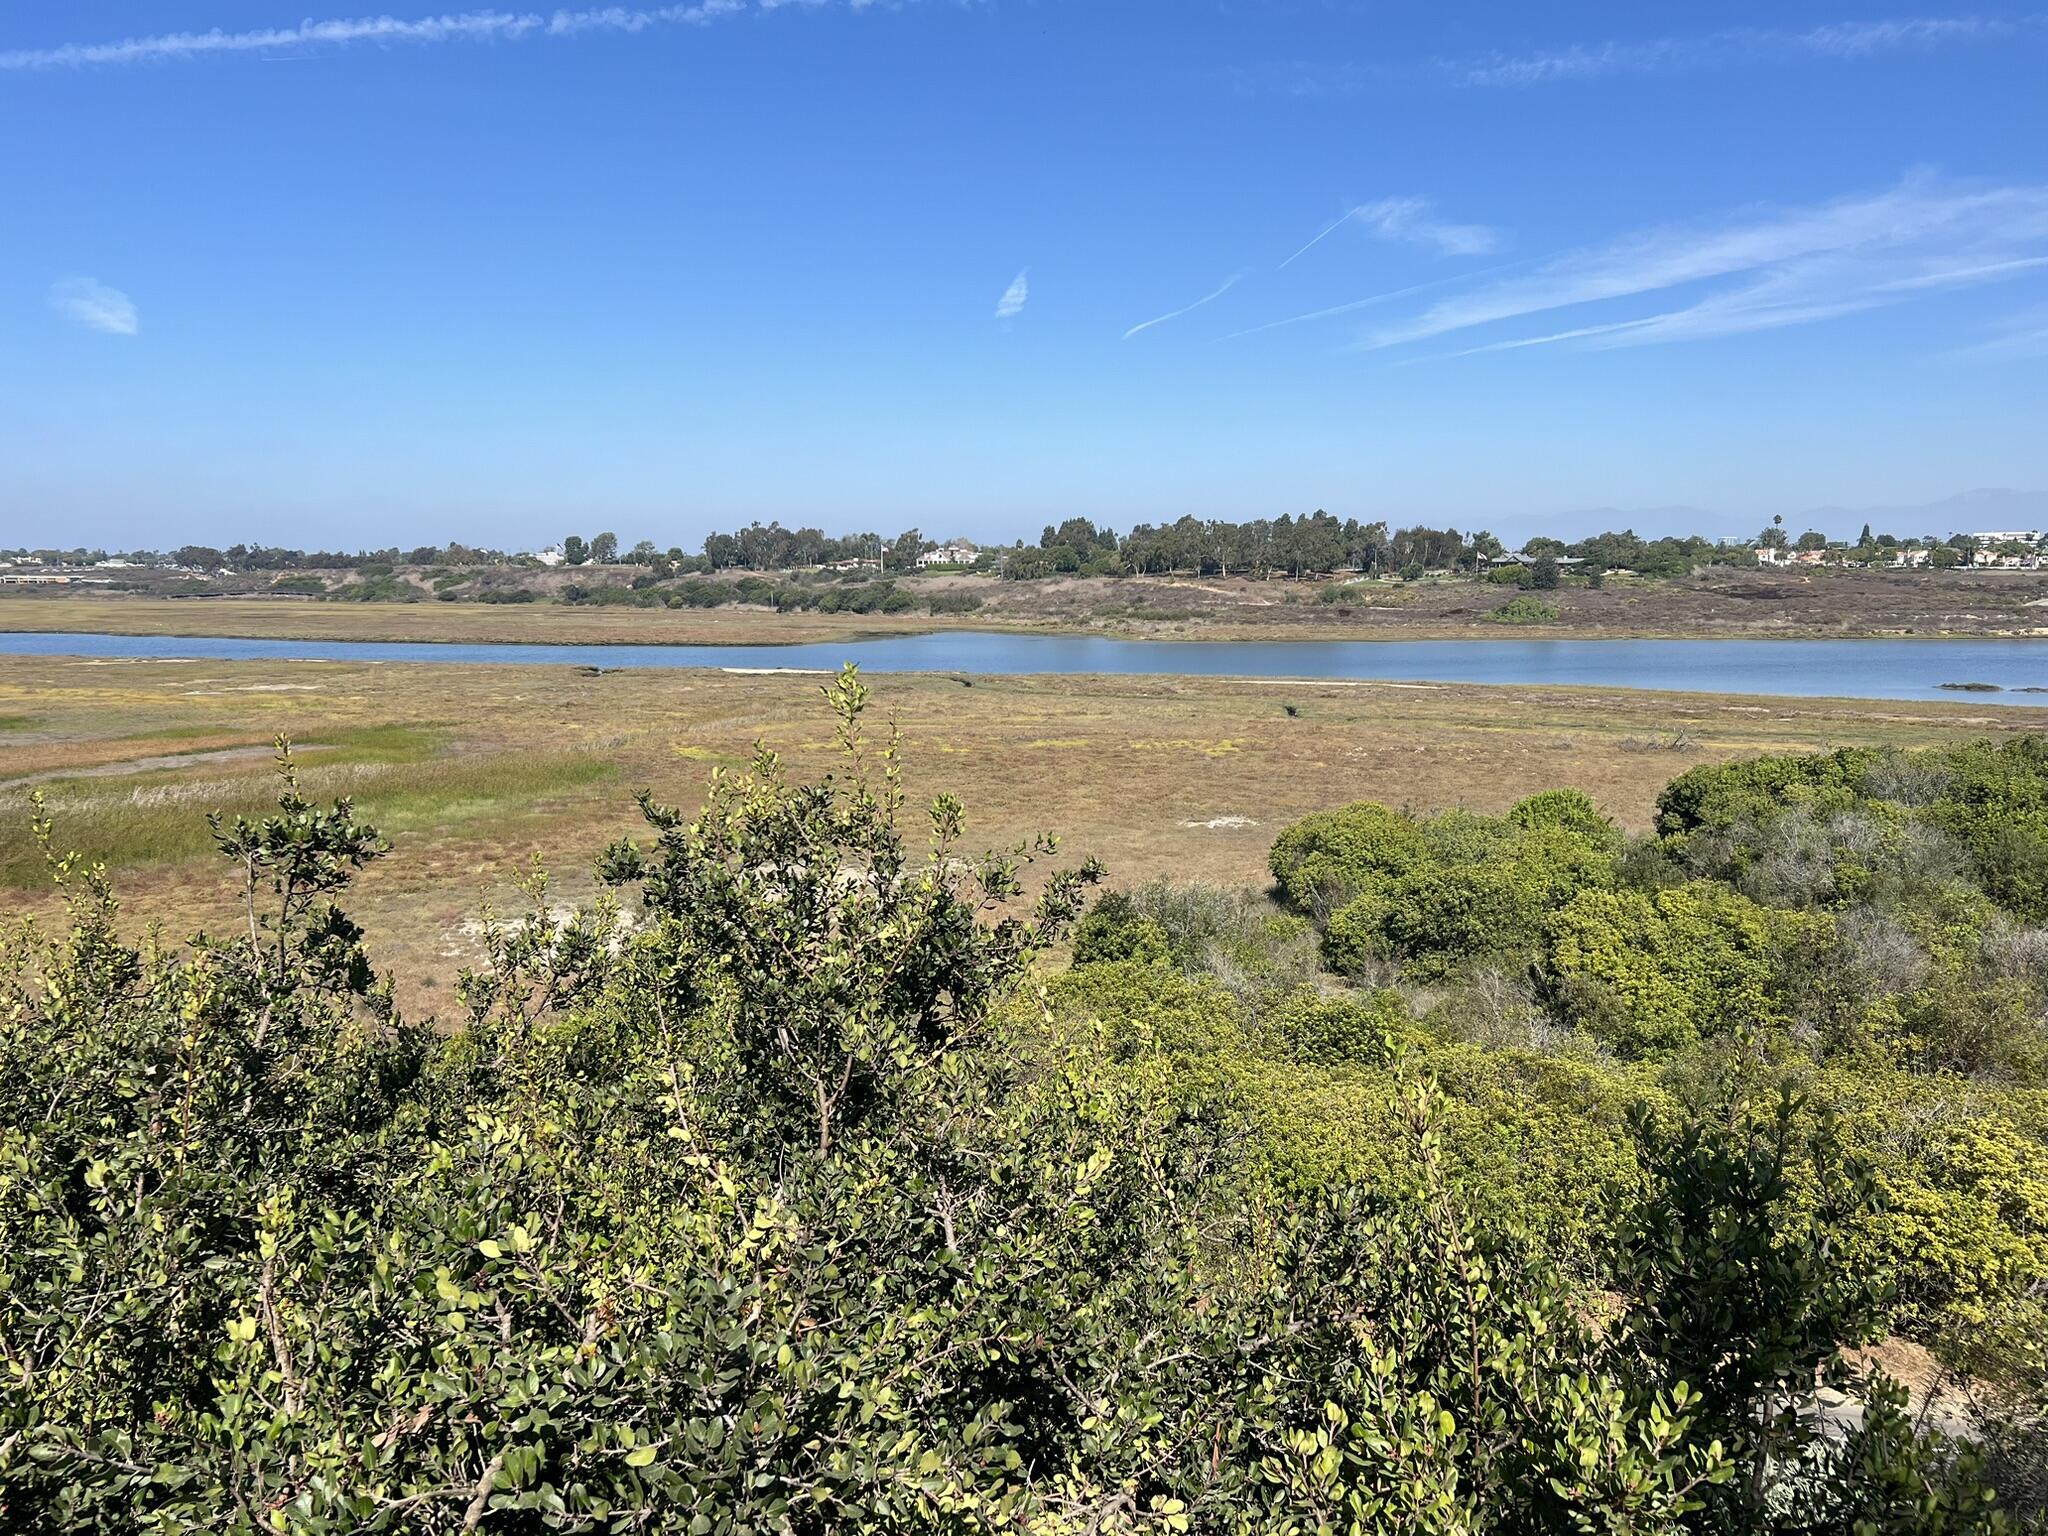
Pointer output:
x,y
790,1206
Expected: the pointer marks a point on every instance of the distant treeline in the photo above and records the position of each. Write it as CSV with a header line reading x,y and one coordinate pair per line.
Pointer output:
x,y
1320,544
1314,545
259,557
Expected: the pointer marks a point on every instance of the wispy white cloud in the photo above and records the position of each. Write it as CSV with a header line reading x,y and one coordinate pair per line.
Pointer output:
x,y
1304,79
1841,40
1228,283
1788,268
468,26
1014,296
1313,78
1370,301
2024,334
1955,277
95,306
1412,220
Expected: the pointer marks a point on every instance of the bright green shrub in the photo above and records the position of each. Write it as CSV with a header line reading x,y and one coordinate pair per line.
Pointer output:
x,y
1963,1231
1324,1031
1355,936
1995,802
1541,1137
1569,811
1441,915
1652,973
1497,902
1323,859
1437,893
1148,1007
1723,795
1460,836
1113,929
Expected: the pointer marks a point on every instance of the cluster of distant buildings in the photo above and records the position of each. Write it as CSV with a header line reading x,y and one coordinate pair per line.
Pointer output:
x,y
30,571
2018,549
940,555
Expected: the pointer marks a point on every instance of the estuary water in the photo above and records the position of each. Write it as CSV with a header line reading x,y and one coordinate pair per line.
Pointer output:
x,y
1854,669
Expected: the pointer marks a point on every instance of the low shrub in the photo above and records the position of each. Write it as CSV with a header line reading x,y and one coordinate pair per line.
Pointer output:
x,y
1524,610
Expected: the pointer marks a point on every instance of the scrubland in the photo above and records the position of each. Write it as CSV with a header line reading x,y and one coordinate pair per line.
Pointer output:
x,y
1713,601
1504,1110
478,770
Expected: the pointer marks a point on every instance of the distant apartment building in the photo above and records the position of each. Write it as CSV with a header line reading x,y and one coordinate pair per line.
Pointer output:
x,y
948,554
551,556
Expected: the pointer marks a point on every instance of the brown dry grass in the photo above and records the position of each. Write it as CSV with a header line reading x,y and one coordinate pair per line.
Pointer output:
x,y
475,623
475,770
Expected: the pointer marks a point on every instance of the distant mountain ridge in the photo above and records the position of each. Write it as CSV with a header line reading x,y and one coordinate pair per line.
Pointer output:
x,y
1984,508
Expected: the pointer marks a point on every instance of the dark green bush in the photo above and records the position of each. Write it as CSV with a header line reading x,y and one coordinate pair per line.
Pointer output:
x,y
1524,610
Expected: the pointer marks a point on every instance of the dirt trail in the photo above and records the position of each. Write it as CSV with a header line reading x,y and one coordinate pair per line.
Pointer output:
x,y
143,765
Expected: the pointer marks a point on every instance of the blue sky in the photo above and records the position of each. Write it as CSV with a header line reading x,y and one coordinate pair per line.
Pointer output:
x,y
501,274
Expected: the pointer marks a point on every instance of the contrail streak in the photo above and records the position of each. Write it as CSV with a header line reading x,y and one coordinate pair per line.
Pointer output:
x,y
466,26
1334,225
1146,325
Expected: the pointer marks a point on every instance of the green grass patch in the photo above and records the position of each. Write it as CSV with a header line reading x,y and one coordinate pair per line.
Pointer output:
x,y
393,743
178,733
378,743
157,819
15,722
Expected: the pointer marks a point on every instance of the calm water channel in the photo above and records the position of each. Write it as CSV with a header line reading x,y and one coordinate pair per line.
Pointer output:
x,y
1858,669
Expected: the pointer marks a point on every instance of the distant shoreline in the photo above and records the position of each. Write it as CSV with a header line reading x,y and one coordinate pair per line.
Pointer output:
x,y
1896,670
1719,605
